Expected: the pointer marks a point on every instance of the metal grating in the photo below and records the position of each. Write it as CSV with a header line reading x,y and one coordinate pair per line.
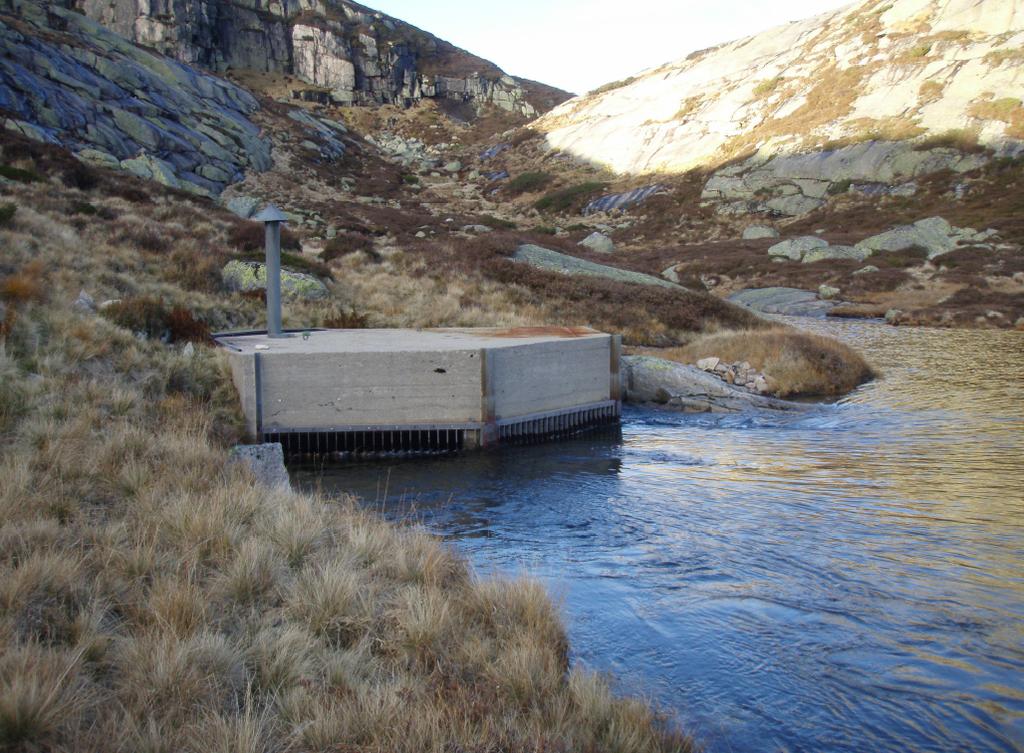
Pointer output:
x,y
423,439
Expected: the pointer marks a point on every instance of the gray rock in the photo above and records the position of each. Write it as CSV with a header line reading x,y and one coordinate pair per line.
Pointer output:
x,y
623,201
599,242
794,206
476,229
189,350
934,234
671,274
836,252
84,304
870,268
708,364
827,292
795,248
453,167
785,301
243,206
799,183
687,388
543,258
117,105
756,232
265,461
247,276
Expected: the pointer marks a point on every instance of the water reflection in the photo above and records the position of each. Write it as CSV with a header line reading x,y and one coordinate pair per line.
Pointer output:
x,y
846,579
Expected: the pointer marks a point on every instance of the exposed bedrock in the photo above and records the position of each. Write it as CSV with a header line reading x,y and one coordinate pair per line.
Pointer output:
x,y
348,53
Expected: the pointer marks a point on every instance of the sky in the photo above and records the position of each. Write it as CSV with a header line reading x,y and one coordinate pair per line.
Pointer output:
x,y
579,45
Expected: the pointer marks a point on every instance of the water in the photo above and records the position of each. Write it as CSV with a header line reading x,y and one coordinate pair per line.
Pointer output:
x,y
847,580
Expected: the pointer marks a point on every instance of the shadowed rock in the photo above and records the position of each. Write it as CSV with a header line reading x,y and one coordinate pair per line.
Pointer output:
x,y
687,388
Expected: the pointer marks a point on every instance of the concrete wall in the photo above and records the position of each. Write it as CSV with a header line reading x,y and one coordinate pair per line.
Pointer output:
x,y
326,390
548,376
295,387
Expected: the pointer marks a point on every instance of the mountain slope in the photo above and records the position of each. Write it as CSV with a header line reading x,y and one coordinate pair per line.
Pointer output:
x,y
345,53
876,70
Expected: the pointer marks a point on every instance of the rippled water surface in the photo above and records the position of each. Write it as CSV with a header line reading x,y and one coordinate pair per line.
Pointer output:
x,y
850,579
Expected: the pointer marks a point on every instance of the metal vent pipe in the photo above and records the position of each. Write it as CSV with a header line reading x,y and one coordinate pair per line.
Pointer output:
x,y
272,217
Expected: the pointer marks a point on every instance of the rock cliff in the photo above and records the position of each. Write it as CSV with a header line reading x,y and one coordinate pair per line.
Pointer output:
x,y
348,54
875,93
65,80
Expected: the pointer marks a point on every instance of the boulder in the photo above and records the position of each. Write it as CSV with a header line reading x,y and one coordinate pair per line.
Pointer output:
x,y
670,274
599,242
453,167
756,232
785,301
795,248
543,258
247,276
708,364
476,229
793,206
836,252
827,292
687,388
934,235
243,206
265,461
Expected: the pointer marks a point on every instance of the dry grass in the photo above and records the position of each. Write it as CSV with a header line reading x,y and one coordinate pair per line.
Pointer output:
x,y
153,599
796,363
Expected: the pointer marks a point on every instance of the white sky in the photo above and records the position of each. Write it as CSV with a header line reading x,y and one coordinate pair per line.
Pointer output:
x,y
578,45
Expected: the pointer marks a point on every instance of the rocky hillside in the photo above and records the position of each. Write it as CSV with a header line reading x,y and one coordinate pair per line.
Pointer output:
x,y
65,80
852,88
344,53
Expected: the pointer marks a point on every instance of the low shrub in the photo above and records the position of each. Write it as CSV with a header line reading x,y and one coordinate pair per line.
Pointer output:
x,y
152,317
572,197
411,180
302,263
19,175
612,86
346,319
80,176
529,182
146,239
251,236
496,222
523,135
25,286
839,187
7,212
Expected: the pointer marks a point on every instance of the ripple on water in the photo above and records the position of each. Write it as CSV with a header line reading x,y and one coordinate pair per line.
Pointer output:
x,y
844,579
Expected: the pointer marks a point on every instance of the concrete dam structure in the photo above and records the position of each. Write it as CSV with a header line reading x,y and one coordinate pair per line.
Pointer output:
x,y
392,390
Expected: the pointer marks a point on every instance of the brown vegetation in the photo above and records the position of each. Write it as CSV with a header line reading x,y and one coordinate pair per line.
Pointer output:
x,y
796,363
152,598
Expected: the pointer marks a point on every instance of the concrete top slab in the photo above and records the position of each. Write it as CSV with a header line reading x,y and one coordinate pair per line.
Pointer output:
x,y
404,340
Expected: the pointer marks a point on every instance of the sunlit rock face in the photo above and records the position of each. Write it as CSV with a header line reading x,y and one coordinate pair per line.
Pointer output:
x,y
354,55
875,71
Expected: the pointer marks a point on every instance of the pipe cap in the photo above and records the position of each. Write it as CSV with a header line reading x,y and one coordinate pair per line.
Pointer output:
x,y
271,214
